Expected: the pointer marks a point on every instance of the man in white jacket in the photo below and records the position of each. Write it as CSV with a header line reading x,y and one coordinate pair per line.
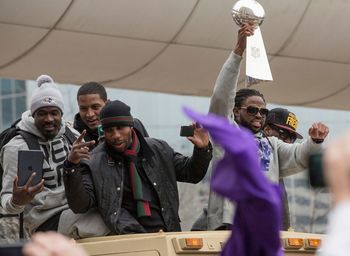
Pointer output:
x,y
247,108
42,204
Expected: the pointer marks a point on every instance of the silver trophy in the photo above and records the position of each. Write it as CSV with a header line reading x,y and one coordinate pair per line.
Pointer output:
x,y
248,11
257,65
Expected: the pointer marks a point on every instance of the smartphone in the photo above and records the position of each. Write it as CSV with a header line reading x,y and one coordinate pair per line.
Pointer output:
x,y
11,249
316,175
30,161
187,131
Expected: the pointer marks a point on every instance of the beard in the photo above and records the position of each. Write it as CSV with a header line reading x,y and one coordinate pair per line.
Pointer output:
x,y
247,125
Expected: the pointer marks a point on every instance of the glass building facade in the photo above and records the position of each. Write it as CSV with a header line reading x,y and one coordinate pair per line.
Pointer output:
x,y
13,101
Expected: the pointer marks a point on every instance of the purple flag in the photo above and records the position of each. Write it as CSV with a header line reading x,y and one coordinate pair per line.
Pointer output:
x,y
239,177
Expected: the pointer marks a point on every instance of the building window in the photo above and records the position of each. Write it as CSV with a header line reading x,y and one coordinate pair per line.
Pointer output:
x,y
12,101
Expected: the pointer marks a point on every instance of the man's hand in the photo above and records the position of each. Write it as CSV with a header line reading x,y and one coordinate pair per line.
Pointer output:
x,y
243,32
318,131
200,137
80,150
52,244
24,195
337,168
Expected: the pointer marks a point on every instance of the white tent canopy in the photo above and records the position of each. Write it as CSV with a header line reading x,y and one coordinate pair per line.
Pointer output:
x,y
177,46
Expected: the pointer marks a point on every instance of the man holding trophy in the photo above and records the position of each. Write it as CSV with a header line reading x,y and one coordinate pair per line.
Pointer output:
x,y
247,108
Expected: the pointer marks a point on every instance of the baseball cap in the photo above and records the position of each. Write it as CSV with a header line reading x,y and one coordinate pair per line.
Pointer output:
x,y
284,119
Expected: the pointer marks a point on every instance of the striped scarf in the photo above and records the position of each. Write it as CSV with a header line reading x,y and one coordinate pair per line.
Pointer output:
x,y
142,205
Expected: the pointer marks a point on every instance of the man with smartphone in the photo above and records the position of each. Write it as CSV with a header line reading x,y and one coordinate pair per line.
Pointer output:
x,y
42,203
131,179
91,98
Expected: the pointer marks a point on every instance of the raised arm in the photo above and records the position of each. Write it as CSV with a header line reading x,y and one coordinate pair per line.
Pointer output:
x,y
77,177
222,100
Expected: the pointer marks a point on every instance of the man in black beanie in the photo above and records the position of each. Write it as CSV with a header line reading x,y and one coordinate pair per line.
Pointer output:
x,y
132,179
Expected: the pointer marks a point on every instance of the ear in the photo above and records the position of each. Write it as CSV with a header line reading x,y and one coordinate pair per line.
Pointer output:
x,y
235,112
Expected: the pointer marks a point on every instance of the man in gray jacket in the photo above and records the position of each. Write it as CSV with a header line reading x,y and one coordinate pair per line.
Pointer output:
x,y
43,203
247,108
131,179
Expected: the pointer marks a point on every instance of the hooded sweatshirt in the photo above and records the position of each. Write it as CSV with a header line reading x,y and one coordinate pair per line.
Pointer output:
x,y
52,199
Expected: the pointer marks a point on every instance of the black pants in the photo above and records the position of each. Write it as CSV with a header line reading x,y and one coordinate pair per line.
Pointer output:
x,y
51,224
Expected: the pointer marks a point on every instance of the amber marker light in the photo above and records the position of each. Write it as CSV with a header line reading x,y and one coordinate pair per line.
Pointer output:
x,y
191,243
294,243
312,243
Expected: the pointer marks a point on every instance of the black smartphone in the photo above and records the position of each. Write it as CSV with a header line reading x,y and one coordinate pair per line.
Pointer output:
x,y
11,249
30,161
187,131
316,175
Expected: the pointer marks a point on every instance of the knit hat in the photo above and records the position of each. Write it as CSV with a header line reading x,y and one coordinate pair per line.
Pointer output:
x,y
46,95
116,113
284,119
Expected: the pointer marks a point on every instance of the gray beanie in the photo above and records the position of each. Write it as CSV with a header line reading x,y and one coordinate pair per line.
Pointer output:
x,y
46,95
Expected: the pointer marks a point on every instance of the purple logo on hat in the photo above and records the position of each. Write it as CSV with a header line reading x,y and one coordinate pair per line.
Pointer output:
x,y
48,100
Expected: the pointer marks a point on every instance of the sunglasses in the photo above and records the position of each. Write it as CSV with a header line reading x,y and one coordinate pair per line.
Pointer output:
x,y
284,135
255,110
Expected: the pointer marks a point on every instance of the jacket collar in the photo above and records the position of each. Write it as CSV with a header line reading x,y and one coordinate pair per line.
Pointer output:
x,y
80,126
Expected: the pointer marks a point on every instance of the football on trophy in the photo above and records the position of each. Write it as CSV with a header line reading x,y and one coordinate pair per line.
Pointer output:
x,y
248,11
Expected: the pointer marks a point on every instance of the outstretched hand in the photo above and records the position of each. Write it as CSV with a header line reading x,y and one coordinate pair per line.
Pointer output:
x,y
318,131
80,149
200,137
25,194
246,30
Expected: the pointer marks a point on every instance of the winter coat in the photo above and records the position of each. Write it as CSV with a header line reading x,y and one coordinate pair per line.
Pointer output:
x,y
99,183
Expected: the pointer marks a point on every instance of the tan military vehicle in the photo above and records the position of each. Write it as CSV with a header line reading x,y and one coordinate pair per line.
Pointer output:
x,y
202,243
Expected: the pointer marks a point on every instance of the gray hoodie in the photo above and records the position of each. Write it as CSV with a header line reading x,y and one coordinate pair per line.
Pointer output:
x,y
284,159
52,199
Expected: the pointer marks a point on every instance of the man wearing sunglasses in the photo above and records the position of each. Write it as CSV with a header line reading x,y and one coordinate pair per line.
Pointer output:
x,y
247,108
282,123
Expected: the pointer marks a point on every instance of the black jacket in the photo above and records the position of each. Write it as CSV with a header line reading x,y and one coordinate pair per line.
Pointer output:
x,y
80,126
99,183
